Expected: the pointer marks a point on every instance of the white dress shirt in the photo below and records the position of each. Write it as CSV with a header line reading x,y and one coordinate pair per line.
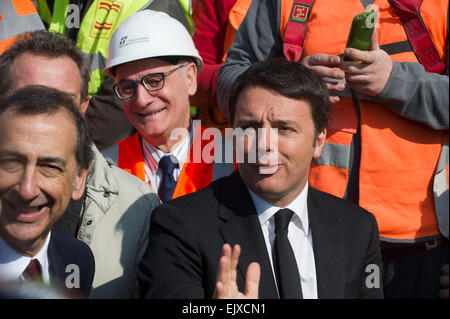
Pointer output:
x,y
299,235
153,155
13,263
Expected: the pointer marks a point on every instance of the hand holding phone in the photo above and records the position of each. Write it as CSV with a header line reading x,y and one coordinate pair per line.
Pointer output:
x,y
360,32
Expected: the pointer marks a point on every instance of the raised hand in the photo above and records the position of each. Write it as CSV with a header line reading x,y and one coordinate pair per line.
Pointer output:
x,y
226,286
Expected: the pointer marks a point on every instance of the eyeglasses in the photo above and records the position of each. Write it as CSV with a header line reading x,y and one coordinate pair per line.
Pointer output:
x,y
126,89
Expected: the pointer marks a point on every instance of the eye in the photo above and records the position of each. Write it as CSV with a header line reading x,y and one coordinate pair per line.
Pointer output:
x,y
50,169
126,87
285,129
11,165
153,81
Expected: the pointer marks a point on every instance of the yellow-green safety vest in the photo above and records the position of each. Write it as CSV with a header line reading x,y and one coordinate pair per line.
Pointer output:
x,y
97,26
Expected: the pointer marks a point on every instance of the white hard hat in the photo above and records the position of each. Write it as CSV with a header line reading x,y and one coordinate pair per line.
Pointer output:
x,y
149,34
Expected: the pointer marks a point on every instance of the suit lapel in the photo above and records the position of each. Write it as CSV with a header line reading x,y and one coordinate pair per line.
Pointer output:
x,y
328,247
241,226
55,267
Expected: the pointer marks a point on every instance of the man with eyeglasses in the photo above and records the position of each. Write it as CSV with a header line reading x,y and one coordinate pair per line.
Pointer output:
x,y
154,63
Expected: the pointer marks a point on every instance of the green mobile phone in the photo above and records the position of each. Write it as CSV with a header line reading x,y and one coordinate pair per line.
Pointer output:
x,y
360,32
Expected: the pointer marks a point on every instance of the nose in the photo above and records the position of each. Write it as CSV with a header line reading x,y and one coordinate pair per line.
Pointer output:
x,y
28,185
143,97
267,144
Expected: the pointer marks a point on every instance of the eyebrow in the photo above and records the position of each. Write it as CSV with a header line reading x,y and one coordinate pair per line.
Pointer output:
x,y
41,159
256,123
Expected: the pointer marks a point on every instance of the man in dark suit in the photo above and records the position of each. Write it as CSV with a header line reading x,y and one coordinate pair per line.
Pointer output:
x,y
44,159
296,242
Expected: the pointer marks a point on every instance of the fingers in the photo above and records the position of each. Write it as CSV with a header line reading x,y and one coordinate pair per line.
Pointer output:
x,y
226,286
323,65
252,280
234,262
374,41
321,59
353,67
223,272
445,269
444,281
367,57
327,72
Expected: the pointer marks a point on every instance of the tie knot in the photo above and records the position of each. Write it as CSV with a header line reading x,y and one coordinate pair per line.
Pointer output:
x,y
282,219
33,270
167,165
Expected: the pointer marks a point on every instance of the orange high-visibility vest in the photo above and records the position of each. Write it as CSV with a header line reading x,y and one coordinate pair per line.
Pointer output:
x,y
235,17
16,17
399,157
196,172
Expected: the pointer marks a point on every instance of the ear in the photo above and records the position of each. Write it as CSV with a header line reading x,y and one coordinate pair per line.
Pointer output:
x,y
191,78
320,142
84,105
79,183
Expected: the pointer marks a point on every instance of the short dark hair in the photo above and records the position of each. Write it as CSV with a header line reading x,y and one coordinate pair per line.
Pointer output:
x,y
44,43
37,99
289,79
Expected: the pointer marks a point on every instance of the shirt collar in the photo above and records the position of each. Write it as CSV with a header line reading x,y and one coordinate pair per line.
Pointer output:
x,y
153,155
13,263
266,210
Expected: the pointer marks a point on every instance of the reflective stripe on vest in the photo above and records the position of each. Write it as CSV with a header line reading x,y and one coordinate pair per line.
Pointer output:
x,y
398,156
440,190
16,17
336,155
129,156
98,61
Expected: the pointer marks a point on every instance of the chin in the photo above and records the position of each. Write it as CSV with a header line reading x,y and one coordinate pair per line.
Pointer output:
x,y
267,187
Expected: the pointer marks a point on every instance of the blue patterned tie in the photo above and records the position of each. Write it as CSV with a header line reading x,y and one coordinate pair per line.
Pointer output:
x,y
167,185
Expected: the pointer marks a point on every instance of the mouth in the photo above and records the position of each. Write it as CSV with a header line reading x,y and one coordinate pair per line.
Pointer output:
x,y
27,214
152,114
267,168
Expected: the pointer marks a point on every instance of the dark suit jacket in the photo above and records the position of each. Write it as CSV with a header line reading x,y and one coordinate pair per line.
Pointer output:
x,y
66,255
187,234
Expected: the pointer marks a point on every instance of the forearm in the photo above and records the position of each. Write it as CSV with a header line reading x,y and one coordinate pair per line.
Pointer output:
x,y
415,94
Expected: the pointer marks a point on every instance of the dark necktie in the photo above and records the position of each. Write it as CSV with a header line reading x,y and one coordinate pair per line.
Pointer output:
x,y
286,271
33,272
167,185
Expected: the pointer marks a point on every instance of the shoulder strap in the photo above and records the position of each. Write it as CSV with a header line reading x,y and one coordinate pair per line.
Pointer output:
x,y
409,12
296,28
